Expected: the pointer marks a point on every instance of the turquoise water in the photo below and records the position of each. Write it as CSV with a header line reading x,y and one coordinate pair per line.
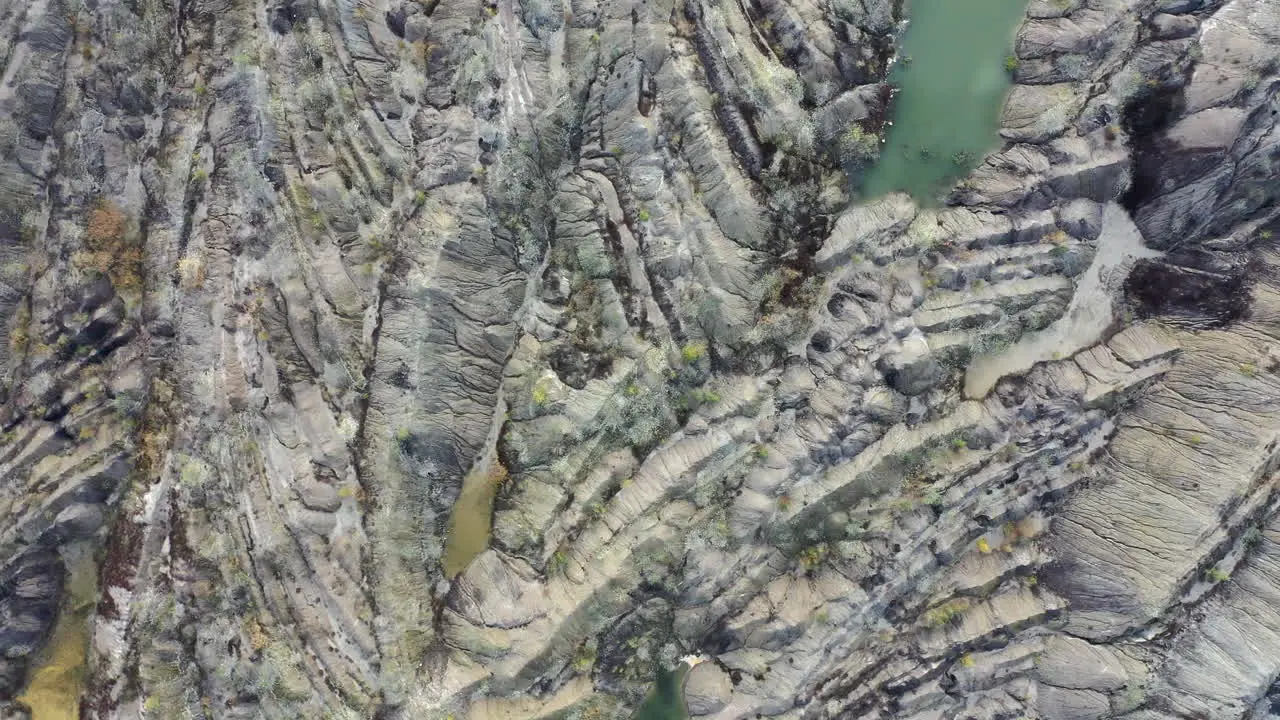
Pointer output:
x,y
666,700
953,77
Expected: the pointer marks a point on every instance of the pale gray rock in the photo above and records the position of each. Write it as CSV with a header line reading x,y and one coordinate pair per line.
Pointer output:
x,y
1180,6
1172,27
416,360
1081,218
912,368
707,689
1071,663
1066,704
1036,113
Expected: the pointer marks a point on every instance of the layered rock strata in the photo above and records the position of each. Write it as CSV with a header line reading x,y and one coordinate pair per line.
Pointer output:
x,y
281,279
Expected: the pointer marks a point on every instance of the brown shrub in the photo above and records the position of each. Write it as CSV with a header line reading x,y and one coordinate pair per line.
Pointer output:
x,y
111,251
106,224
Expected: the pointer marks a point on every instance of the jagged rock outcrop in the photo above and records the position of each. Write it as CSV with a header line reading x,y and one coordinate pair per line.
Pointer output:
x,y
397,359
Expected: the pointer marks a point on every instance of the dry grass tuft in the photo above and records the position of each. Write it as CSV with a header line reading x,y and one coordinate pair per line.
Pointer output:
x,y
111,250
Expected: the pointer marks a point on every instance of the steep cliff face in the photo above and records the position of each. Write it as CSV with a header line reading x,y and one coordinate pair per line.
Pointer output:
x,y
453,359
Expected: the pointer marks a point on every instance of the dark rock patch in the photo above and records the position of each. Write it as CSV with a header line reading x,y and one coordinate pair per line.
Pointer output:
x,y
1205,288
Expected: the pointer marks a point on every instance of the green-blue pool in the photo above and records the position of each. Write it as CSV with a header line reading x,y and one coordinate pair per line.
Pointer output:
x,y
953,71
666,699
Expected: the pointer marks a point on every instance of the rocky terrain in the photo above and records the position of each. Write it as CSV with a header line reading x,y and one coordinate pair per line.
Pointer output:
x,y
284,280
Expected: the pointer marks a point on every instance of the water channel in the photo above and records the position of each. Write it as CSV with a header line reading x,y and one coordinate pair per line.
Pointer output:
x,y
1087,318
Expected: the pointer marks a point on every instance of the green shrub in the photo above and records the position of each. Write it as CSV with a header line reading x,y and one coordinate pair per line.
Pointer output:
x,y
933,497
1216,574
945,613
859,146
693,352
559,562
584,659
811,557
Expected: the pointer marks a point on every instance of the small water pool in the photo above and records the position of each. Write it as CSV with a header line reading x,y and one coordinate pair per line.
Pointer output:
x,y
953,71
471,519
666,700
